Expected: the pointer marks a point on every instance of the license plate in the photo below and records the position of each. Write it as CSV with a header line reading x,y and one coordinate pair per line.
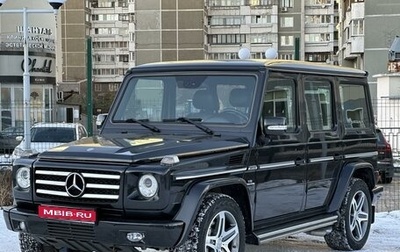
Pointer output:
x,y
67,213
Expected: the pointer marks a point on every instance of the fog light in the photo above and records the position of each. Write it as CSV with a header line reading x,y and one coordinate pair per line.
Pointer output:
x,y
135,237
22,226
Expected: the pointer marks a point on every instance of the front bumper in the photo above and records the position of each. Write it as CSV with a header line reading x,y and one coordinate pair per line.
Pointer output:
x,y
101,236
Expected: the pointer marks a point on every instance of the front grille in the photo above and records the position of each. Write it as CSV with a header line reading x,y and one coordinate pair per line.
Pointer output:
x,y
71,231
98,186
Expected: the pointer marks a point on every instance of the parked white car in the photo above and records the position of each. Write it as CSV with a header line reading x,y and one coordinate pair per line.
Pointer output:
x,y
45,136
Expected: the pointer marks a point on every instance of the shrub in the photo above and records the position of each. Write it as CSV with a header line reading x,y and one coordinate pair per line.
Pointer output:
x,y
6,198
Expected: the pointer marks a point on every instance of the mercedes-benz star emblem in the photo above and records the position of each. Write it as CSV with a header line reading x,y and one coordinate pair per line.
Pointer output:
x,y
75,184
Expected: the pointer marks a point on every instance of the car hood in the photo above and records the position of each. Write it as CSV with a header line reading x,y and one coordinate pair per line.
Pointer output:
x,y
143,148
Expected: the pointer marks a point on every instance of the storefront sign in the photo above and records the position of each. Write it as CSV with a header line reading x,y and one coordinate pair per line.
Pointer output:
x,y
35,66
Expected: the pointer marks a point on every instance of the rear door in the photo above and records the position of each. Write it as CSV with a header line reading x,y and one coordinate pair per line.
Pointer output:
x,y
357,115
324,145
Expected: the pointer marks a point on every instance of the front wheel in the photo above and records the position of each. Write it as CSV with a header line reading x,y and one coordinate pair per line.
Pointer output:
x,y
219,227
355,216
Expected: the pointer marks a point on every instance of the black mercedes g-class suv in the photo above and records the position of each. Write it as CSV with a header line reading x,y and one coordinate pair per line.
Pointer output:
x,y
208,156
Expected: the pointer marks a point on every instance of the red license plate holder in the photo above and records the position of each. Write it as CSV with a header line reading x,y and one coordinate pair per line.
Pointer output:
x,y
67,213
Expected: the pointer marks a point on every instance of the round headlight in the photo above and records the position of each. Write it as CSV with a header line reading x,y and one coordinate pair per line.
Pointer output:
x,y
148,186
23,177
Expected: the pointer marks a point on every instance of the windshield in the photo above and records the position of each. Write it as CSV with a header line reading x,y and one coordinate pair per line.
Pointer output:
x,y
53,134
222,99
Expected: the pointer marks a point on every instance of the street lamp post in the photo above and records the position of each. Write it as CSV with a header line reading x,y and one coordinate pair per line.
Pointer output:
x,y
56,4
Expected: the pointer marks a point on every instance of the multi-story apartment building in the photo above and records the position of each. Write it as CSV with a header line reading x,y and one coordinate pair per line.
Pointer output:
x,y
126,33
74,27
236,24
367,30
112,32
303,27
168,30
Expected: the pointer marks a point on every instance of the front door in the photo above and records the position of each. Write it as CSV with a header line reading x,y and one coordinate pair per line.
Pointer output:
x,y
280,177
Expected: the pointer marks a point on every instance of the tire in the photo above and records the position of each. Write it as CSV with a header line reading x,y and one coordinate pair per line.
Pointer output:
x,y
355,216
208,233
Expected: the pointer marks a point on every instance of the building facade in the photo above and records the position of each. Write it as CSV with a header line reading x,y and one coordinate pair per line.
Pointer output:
x,y
302,29
42,63
367,30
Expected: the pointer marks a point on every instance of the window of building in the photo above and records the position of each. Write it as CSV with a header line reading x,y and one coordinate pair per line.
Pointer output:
x,y
318,19
286,56
287,40
262,38
123,17
317,37
123,58
287,3
317,57
223,56
226,2
357,27
261,19
318,2
225,20
113,87
97,87
287,21
263,2
226,38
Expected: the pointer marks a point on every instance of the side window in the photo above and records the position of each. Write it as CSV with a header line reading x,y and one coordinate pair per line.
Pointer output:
x,y
319,107
280,102
354,106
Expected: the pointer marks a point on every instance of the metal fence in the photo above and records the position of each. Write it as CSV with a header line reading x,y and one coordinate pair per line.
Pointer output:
x,y
387,115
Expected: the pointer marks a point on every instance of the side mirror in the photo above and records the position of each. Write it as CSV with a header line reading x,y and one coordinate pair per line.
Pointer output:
x,y
275,125
19,138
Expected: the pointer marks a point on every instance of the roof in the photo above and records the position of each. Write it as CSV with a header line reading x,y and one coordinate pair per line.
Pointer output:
x,y
274,64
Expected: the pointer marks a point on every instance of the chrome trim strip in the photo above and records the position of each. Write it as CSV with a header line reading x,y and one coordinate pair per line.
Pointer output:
x,y
52,173
103,176
321,159
87,196
105,186
209,174
276,165
48,192
361,155
99,196
50,182
84,174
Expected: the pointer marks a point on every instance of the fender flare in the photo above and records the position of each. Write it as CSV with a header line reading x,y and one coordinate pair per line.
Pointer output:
x,y
344,180
193,199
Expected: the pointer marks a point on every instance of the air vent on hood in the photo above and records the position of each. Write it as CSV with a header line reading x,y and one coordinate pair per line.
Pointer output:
x,y
236,159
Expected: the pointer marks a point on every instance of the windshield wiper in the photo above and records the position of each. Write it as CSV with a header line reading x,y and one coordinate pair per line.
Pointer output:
x,y
144,124
198,125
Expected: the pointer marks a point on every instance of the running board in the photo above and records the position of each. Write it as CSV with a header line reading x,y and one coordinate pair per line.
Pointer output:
x,y
302,227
